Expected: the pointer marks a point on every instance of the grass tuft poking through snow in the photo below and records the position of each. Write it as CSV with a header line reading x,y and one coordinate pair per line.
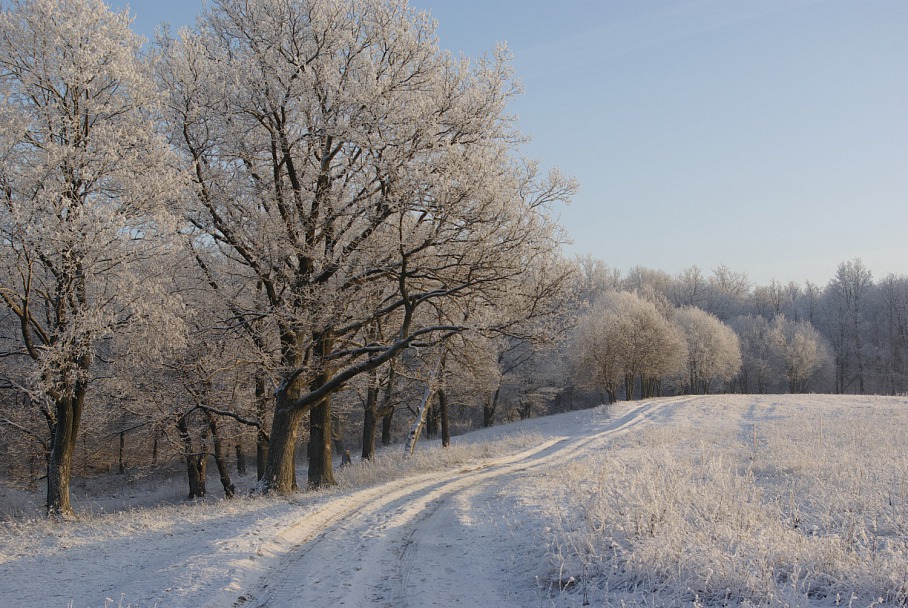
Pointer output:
x,y
756,504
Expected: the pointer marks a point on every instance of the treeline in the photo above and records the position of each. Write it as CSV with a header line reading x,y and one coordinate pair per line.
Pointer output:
x,y
652,333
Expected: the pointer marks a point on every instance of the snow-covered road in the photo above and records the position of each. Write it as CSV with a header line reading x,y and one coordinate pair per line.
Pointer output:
x,y
446,539
468,536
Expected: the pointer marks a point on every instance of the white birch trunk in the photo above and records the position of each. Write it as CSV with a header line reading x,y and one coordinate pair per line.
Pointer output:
x,y
420,421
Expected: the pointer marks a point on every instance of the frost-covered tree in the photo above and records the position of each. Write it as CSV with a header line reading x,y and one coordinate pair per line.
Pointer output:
x,y
846,304
768,300
799,350
727,292
758,364
597,357
595,279
84,180
690,288
640,278
356,175
894,348
625,339
531,322
713,351
811,295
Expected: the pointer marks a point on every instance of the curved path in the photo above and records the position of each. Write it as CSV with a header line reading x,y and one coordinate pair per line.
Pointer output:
x,y
466,537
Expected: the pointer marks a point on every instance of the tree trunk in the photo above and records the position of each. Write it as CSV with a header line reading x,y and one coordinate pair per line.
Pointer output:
x,y
370,415
240,460
525,409
489,407
386,407
443,414
121,466
647,388
261,436
630,382
431,420
196,463
261,454
434,413
65,429
197,472
279,474
321,466
337,433
386,425
219,460
420,421
201,474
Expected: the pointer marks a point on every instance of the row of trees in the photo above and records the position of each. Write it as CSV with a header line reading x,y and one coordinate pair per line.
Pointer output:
x,y
259,213
627,345
849,336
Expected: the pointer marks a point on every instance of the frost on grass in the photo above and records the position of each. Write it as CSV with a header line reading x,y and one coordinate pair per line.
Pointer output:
x,y
751,505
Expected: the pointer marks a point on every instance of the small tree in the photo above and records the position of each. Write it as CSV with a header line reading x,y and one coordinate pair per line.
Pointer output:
x,y
800,351
758,363
624,338
713,351
597,357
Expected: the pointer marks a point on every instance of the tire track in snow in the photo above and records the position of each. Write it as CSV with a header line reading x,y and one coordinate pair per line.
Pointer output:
x,y
328,518
361,549
482,485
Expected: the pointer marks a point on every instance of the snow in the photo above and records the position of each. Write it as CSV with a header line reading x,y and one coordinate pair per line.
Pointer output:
x,y
483,531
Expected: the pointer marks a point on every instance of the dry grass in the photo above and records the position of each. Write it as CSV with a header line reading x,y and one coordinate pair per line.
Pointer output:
x,y
755,504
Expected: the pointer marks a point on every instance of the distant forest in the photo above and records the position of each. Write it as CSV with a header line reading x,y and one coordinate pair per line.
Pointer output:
x,y
847,336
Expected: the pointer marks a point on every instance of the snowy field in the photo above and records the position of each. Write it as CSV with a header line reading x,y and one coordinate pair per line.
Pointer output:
x,y
692,501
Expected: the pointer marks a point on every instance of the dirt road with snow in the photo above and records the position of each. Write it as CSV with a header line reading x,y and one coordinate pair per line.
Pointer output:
x,y
466,537
470,535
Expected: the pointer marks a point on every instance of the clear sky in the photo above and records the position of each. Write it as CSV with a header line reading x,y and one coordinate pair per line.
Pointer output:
x,y
767,135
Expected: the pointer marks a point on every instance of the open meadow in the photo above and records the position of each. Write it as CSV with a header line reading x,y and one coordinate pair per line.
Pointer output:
x,y
742,500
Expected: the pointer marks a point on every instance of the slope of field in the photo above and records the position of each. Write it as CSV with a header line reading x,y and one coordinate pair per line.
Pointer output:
x,y
753,501
726,500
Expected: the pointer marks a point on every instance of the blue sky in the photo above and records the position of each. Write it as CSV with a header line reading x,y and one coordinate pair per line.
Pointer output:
x,y
767,135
